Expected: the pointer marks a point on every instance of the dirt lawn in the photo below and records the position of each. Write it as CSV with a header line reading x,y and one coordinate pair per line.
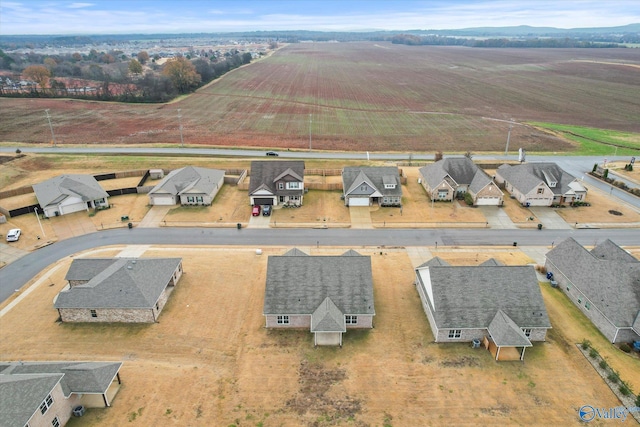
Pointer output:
x,y
210,362
599,211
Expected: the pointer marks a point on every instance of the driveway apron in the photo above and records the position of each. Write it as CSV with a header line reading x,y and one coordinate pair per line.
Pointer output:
x,y
497,217
154,217
549,218
360,217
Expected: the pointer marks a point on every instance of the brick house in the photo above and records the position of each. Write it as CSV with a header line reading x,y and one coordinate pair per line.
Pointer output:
x,y
190,185
66,194
603,283
367,186
276,183
326,294
500,305
38,394
117,289
448,178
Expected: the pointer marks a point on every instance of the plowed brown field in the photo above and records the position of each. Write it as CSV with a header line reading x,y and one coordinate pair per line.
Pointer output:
x,y
366,96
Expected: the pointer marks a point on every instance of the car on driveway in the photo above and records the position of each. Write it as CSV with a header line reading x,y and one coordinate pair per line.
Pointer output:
x,y
13,235
266,210
272,153
256,210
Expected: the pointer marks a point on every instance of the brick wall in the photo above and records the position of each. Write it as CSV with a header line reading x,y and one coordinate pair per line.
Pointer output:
x,y
61,408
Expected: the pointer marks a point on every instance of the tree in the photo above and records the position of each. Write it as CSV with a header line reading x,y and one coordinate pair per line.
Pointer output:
x,y
143,57
76,57
437,156
38,73
135,67
182,73
468,155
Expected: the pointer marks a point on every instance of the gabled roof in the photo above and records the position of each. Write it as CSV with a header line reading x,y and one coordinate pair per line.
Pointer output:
x,y
25,385
491,262
299,284
55,190
351,252
375,177
606,275
456,171
294,252
117,282
505,332
328,318
435,261
189,179
526,176
264,174
469,297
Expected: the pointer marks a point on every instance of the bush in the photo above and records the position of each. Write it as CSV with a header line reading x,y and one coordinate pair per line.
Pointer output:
x,y
603,364
625,347
638,400
593,353
586,344
613,377
624,389
468,199
18,151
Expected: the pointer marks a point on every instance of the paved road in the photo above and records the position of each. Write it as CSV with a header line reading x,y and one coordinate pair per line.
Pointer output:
x,y
19,272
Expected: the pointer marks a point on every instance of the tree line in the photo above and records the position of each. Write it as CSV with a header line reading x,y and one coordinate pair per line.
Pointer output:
x,y
435,40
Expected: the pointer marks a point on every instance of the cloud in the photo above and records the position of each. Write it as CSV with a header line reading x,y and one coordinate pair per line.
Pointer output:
x,y
80,5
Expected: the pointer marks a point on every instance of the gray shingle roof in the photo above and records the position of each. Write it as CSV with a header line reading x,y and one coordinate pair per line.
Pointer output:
x,y
469,297
328,318
434,262
505,332
25,385
491,262
460,170
55,190
609,279
189,179
294,252
376,177
123,283
264,173
525,177
298,285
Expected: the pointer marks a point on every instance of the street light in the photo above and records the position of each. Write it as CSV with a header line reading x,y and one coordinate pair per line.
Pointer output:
x,y
53,138
180,120
35,209
506,149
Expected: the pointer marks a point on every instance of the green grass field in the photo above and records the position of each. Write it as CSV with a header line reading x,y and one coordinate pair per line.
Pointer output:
x,y
596,142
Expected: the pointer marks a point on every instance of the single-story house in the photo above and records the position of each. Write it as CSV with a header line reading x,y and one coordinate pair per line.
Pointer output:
x,y
117,289
540,184
279,182
326,294
449,178
66,194
367,186
190,185
604,283
500,305
46,393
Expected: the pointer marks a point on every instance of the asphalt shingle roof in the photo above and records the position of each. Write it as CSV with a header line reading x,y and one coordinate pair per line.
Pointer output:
x,y
606,276
460,170
376,177
123,283
264,173
299,284
525,177
189,179
328,318
55,190
505,332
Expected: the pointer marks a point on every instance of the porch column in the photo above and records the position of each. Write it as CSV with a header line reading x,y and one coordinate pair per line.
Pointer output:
x,y
497,352
522,354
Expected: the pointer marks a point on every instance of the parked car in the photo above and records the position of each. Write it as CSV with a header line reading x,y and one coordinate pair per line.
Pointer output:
x,y
13,235
272,153
256,210
266,210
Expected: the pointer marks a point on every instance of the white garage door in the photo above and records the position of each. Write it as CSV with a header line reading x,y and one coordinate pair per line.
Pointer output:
x,y
358,201
163,200
76,207
487,201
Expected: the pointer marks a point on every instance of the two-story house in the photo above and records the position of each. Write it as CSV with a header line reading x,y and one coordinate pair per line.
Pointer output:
x,y
276,183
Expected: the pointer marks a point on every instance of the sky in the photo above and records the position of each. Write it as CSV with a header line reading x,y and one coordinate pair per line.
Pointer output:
x,y
194,16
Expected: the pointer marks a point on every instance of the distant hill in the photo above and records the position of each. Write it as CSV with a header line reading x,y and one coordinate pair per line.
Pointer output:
x,y
529,31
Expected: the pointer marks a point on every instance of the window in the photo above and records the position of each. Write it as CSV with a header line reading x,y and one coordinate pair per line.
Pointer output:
x,y
579,300
455,333
568,287
527,332
587,305
283,320
281,199
540,190
190,199
389,186
44,407
93,313
281,186
363,188
294,185
199,199
442,194
351,320
55,422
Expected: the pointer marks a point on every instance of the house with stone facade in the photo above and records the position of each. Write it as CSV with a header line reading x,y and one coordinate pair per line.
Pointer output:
x,y
368,186
190,185
276,183
604,283
65,194
540,184
131,290
450,178
326,294
46,393
499,305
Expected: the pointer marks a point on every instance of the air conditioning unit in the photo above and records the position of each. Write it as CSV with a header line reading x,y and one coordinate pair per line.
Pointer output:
x,y
78,411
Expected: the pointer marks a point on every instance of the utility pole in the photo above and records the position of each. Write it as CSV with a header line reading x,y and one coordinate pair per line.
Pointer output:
x,y
309,132
35,209
53,138
180,120
506,149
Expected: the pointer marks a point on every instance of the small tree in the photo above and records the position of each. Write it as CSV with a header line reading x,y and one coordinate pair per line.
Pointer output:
x,y
595,167
182,73
468,199
468,155
38,73
135,67
143,57
438,156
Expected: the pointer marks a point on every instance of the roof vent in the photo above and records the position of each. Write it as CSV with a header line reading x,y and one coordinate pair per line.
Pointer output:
x,y
129,267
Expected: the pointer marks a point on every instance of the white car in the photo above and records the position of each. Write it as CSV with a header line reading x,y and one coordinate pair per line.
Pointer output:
x,y
13,235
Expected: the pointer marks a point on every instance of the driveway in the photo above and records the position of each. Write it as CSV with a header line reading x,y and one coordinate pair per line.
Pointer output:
x,y
549,218
497,217
9,253
72,225
360,217
259,221
154,217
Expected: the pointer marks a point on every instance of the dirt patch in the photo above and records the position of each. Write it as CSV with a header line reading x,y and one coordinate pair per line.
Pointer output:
x,y
616,213
460,362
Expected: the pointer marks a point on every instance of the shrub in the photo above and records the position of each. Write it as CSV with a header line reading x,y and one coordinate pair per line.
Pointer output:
x,y
468,199
603,364
613,377
595,167
586,344
593,353
605,175
625,347
624,389
18,151
638,400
